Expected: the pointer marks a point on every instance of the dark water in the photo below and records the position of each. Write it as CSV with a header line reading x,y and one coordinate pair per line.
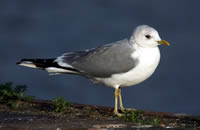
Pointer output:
x,y
48,28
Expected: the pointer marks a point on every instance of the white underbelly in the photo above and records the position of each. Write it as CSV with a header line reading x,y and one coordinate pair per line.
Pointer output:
x,y
148,61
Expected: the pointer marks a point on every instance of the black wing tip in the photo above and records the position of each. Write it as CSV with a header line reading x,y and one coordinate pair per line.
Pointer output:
x,y
23,60
19,62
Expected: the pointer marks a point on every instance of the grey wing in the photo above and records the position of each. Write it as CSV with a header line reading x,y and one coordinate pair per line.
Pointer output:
x,y
104,60
70,57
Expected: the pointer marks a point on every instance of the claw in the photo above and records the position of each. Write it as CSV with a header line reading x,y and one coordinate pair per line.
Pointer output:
x,y
118,114
122,109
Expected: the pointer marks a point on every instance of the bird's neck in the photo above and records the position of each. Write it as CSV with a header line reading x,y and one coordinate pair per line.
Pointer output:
x,y
152,52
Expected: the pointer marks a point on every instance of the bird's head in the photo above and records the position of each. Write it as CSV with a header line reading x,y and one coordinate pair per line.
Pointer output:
x,y
146,36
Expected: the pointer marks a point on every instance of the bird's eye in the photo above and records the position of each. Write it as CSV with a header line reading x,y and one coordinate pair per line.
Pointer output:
x,y
148,36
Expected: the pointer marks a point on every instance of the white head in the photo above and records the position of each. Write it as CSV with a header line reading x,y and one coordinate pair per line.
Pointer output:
x,y
146,36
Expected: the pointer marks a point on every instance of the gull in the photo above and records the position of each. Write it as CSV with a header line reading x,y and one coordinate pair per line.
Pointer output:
x,y
120,64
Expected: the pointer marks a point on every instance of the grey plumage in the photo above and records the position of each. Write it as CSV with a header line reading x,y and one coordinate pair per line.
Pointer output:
x,y
103,61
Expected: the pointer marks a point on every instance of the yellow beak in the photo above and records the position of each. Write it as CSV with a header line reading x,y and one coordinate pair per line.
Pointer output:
x,y
163,42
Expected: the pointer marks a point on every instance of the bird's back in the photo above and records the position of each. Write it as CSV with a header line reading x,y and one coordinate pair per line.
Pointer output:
x,y
105,60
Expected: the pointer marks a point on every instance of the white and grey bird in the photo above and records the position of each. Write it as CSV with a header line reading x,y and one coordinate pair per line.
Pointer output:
x,y
120,64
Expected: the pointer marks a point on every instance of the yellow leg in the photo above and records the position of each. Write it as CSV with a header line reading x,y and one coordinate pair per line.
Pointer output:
x,y
121,104
116,101
120,100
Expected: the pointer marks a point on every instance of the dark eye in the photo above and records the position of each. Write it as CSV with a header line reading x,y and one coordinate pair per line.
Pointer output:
x,y
148,36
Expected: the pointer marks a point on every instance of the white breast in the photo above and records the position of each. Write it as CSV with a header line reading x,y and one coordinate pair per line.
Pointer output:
x,y
148,61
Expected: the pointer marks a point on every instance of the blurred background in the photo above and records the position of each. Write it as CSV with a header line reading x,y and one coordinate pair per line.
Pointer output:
x,y
48,28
